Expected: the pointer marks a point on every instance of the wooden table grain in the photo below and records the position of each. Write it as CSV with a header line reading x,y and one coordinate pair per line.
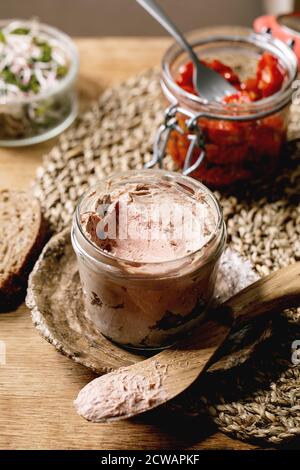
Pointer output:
x,y
37,384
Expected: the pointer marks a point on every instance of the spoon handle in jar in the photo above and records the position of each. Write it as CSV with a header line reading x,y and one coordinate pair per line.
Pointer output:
x,y
151,7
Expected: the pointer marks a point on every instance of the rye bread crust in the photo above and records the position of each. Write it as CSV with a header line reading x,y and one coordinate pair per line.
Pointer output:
x,y
13,282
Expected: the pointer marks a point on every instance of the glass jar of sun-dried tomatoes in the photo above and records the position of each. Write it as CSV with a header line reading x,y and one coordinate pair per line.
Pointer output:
x,y
241,137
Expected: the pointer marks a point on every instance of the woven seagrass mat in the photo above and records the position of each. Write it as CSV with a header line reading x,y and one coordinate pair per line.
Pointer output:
x,y
261,398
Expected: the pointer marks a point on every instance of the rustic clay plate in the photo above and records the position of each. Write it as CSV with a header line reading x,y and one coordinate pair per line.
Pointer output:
x,y
55,299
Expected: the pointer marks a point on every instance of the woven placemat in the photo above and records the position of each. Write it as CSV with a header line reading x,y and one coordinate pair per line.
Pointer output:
x,y
261,398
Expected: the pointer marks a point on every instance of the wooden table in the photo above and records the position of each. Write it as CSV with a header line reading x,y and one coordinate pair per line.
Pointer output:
x,y
37,384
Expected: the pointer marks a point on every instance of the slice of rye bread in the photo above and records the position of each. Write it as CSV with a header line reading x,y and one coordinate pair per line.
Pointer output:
x,y
22,235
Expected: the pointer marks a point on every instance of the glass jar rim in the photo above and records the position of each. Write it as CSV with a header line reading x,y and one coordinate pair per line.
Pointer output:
x,y
114,261
67,44
244,36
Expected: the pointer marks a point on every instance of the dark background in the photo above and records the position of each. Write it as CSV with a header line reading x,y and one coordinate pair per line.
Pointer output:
x,y
126,17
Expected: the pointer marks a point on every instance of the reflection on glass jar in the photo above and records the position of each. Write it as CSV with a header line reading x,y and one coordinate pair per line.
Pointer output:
x,y
147,292
240,140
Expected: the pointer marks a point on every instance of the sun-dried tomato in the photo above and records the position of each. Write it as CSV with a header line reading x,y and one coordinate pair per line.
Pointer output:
x,y
235,149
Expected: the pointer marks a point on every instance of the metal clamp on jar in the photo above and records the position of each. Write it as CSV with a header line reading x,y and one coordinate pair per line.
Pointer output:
x,y
225,143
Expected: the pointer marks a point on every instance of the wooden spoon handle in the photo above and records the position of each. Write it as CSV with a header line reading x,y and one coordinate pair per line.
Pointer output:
x,y
173,370
273,293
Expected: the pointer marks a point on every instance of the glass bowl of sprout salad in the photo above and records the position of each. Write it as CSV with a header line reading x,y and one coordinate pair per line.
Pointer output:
x,y
38,69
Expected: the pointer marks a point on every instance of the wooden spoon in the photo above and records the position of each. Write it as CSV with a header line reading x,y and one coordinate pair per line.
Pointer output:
x,y
140,387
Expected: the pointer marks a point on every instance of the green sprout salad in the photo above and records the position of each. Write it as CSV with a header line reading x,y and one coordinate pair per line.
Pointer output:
x,y
32,63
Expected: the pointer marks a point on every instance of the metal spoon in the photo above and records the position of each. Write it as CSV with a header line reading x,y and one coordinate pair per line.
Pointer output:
x,y
140,387
209,84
